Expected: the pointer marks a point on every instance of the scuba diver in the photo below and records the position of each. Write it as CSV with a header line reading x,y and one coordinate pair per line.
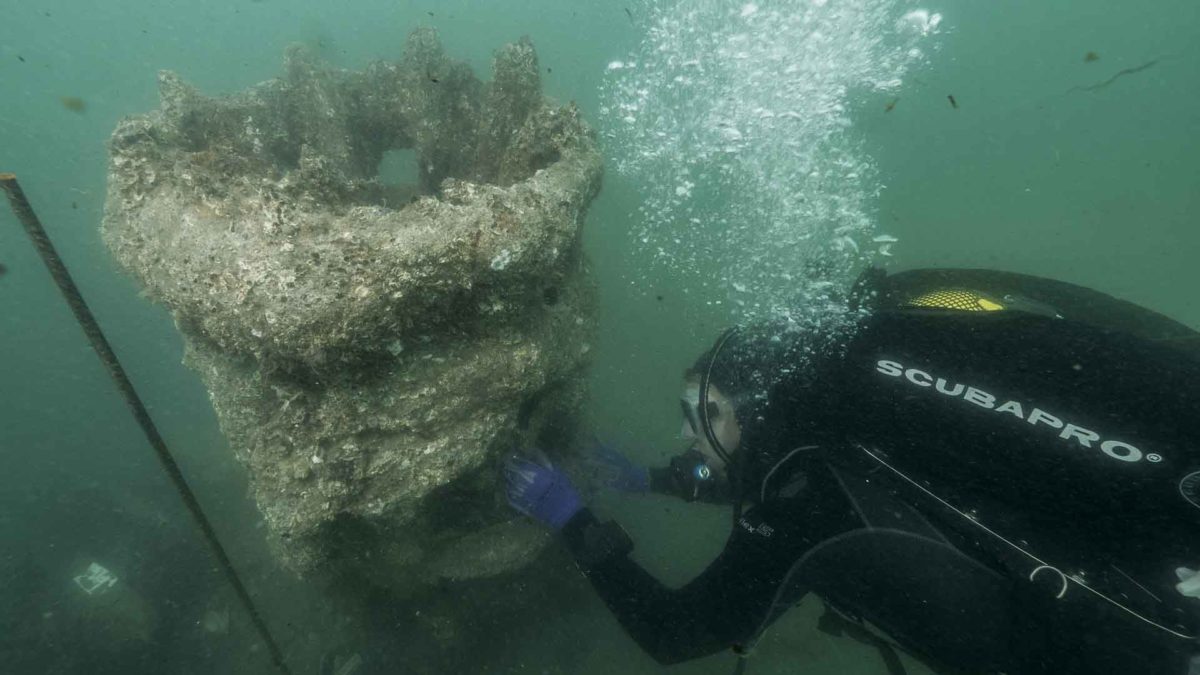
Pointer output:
x,y
994,472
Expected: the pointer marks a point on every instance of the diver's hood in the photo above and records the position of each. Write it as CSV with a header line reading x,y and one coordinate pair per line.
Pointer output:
x,y
769,370
748,363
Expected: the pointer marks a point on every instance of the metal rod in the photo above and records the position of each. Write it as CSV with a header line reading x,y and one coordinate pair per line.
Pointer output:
x,y
33,227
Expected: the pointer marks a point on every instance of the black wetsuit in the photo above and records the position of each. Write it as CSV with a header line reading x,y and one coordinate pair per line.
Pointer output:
x,y
999,491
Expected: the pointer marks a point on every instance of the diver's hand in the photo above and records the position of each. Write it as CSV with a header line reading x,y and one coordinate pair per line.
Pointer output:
x,y
615,471
541,492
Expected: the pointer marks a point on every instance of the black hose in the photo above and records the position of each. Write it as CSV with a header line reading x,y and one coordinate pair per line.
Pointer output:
x,y
734,466
702,406
33,227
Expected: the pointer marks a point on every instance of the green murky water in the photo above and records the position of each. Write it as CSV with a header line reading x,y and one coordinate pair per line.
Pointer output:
x,y
1045,161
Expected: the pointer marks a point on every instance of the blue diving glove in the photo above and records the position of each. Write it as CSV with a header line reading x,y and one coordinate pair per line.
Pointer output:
x,y
615,471
541,492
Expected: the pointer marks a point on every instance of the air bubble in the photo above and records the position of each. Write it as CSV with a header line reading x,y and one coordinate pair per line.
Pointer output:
x,y
755,115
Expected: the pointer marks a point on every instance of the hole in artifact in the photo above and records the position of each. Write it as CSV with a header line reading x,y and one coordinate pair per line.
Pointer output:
x,y
399,178
398,167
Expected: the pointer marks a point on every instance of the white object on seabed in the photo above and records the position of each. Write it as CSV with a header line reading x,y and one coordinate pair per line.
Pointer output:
x,y
216,621
1189,582
96,579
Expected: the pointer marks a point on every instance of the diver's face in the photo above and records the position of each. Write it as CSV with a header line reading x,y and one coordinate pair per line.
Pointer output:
x,y
721,418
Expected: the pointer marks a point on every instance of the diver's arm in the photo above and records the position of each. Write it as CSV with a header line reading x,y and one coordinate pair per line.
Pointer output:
x,y
724,606
662,481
